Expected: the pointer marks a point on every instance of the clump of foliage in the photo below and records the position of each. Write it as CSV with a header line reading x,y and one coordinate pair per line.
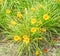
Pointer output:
x,y
31,24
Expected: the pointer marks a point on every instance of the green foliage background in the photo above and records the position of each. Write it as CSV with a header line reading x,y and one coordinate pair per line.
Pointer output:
x,y
51,7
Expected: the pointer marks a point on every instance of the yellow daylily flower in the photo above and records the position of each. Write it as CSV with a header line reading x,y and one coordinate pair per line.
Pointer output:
x,y
33,30
33,20
13,23
40,6
26,39
1,1
25,36
17,38
45,16
57,0
8,11
19,15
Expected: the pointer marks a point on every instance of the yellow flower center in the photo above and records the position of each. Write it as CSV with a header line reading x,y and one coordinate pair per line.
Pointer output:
x,y
46,17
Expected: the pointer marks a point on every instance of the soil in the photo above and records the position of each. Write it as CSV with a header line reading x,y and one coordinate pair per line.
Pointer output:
x,y
7,49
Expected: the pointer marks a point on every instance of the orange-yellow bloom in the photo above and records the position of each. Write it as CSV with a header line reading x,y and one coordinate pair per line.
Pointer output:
x,y
33,21
40,6
45,16
25,36
13,23
26,39
17,38
33,30
37,53
40,38
19,15
8,11
33,9
58,0
1,1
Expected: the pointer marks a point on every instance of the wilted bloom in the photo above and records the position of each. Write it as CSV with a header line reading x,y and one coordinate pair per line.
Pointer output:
x,y
43,29
55,39
45,50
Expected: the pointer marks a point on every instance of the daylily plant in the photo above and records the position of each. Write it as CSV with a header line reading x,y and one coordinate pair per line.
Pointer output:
x,y
31,23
